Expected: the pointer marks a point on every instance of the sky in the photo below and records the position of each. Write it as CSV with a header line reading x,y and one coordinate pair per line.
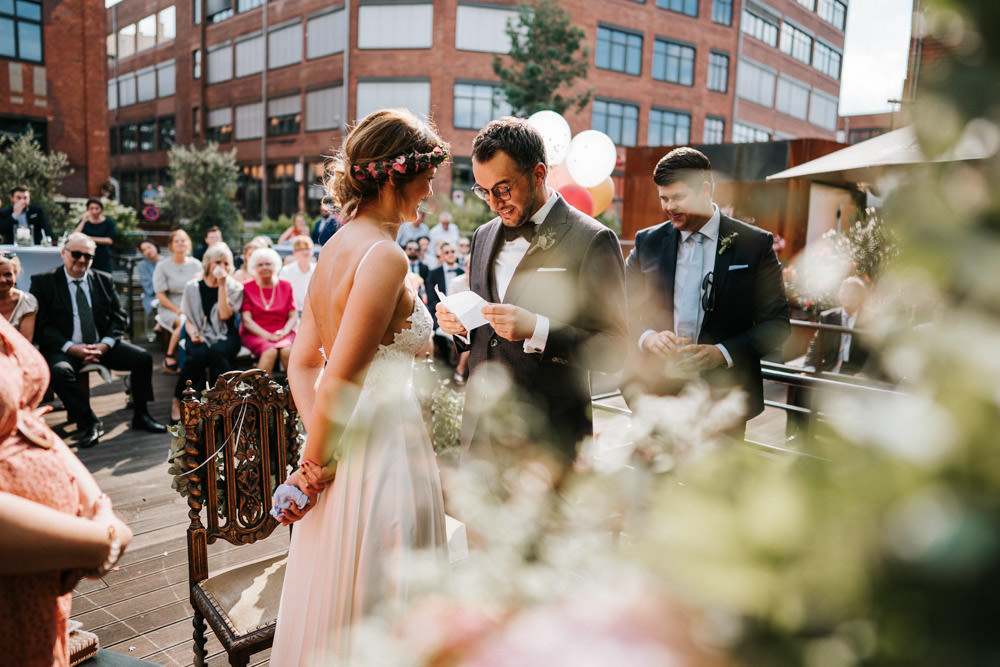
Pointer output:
x,y
876,46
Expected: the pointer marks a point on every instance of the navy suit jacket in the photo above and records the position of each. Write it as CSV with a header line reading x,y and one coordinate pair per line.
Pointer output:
x,y
435,278
36,220
750,314
54,324
321,236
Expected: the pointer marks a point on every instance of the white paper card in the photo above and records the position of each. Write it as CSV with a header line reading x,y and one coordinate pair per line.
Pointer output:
x,y
467,306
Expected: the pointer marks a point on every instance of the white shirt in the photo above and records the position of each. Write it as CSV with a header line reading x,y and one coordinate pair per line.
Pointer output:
x,y
77,337
505,264
438,234
299,280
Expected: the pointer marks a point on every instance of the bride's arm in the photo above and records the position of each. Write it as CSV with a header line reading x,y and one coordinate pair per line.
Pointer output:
x,y
305,365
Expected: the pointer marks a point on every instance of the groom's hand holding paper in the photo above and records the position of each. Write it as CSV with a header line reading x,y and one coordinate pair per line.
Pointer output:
x,y
460,313
511,322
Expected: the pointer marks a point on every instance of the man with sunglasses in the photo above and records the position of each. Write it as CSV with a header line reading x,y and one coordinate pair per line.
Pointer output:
x,y
705,293
80,321
554,282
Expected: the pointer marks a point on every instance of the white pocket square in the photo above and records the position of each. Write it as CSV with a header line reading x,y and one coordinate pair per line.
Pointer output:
x,y
737,267
553,268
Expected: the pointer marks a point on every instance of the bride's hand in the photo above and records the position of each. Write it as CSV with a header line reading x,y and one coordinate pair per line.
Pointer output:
x,y
292,513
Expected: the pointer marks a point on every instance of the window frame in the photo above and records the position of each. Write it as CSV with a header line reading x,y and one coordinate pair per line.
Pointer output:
x,y
713,68
677,114
631,54
663,56
17,21
622,105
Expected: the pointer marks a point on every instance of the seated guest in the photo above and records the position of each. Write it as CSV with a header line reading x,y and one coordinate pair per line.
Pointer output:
x,y
300,270
462,251
439,280
16,306
212,236
150,258
834,351
209,306
326,226
22,214
101,229
269,311
426,255
56,527
81,320
299,228
412,230
242,273
169,279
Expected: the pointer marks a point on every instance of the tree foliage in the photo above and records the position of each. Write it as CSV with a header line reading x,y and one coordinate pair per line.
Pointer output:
x,y
544,46
204,185
25,163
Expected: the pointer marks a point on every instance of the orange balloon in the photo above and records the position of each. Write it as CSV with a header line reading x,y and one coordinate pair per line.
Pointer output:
x,y
559,176
602,194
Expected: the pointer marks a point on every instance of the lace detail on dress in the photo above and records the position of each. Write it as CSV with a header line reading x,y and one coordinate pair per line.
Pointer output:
x,y
394,362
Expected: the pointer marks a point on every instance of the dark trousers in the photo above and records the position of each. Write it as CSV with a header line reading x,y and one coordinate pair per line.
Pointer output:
x,y
217,358
124,356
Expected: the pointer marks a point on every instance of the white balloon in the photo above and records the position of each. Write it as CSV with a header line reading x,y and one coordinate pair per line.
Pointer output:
x,y
591,158
555,133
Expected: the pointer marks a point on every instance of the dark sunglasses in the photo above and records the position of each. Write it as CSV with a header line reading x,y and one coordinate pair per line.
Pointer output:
x,y
708,294
79,254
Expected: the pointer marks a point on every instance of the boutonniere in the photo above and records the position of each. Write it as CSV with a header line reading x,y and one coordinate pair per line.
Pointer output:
x,y
727,241
546,240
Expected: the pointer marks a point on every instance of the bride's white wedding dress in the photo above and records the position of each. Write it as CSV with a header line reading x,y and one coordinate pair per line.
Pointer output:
x,y
351,553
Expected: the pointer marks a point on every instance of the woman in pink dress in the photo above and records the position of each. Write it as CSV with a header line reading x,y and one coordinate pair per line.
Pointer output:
x,y
269,311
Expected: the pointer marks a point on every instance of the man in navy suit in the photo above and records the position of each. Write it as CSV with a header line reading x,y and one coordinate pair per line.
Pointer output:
x,y
22,214
705,293
81,321
325,227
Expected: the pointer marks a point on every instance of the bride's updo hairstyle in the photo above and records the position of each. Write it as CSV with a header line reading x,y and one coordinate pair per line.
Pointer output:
x,y
387,144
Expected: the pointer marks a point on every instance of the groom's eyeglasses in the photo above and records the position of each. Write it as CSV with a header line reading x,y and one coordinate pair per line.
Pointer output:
x,y
708,293
79,254
498,192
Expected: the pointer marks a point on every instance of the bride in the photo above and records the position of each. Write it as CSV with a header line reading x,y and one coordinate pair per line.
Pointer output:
x,y
368,470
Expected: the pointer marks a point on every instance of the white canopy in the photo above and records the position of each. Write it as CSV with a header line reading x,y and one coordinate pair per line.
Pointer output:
x,y
867,160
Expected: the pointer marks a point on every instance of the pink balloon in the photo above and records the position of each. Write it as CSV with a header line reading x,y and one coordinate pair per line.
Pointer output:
x,y
559,176
578,197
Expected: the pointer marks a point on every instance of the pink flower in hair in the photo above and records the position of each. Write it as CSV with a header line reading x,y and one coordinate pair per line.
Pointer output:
x,y
371,170
400,164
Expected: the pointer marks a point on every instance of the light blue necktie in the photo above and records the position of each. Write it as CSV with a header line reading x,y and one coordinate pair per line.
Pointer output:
x,y
687,319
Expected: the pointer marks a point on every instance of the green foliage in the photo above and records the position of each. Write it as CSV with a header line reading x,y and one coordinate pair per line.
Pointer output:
x,y
25,163
127,232
468,216
543,57
204,185
273,228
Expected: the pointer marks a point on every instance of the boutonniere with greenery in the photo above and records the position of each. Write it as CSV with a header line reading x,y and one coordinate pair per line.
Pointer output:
x,y
546,240
727,241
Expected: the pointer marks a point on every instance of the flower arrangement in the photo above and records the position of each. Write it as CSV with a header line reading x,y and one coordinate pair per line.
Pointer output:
x,y
407,163
726,241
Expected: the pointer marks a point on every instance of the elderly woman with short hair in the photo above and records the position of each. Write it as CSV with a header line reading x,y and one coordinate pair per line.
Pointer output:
x,y
269,311
210,306
17,306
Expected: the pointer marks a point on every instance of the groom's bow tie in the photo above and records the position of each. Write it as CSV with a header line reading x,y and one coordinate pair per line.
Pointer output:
x,y
525,231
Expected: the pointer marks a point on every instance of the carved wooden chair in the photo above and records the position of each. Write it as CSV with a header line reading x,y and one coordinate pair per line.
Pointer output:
x,y
241,443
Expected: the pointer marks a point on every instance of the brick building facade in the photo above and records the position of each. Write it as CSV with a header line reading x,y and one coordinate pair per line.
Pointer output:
x,y
278,79
52,81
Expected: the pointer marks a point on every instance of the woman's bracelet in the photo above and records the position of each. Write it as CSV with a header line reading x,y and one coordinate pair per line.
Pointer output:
x,y
114,552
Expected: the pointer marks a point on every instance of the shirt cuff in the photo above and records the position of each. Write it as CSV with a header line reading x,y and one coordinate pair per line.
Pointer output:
x,y
539,337
725,353
68,344
645,334
109,341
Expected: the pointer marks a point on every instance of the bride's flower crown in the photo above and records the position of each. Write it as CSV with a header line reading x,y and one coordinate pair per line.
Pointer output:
x,y
408,163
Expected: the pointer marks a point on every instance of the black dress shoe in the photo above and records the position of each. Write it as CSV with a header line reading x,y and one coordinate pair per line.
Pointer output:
x,y
146,423
91,435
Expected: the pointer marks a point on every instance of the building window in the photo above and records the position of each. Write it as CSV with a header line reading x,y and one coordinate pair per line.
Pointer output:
x,y
284,115
715,130
247,5
396,26
823,110
219,125
669,128
147,135
196,11
796,43
808,4
21,30
110,46
126,41
166,24
745,134
326,34
285,46
166,135
478,104
165,78
759,27
619,50
146,84
196,64
389,94
145,37
323,108
126,90
128,141
755,83
673,62
722,12
220,63
248,187
718,71
689,7
792,98
196,121
249,121
617,120
479,28
826,59
112,94
832,11
113,139
248,55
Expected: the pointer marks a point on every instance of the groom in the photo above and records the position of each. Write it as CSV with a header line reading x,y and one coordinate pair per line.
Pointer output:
x,y
554,282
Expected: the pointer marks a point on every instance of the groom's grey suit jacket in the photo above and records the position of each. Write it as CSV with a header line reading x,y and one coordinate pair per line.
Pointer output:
x,y
573,274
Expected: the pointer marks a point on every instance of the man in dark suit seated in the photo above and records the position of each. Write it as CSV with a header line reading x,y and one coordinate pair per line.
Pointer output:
x,y
80,321
22,214
835,351
325,226
439,280
705,293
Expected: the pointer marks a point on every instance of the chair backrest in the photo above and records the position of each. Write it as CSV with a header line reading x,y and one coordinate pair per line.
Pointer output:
x,y
241,442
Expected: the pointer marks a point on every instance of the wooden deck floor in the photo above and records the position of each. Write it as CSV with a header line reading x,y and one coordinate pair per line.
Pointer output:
x,y
141,609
